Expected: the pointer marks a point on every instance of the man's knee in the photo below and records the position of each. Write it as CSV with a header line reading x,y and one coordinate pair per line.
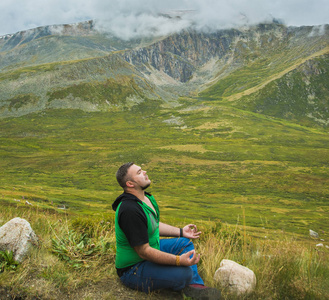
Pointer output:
x,y
186,240
176,246
186,243
183,276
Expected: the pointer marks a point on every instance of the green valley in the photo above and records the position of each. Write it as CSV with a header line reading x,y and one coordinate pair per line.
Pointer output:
x,y
207,161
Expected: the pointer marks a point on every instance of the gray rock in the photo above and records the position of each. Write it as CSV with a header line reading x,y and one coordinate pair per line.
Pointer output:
x,y
237,279
314,234
17,236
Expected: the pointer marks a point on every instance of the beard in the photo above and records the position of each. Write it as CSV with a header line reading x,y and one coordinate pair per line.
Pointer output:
x,y
145,186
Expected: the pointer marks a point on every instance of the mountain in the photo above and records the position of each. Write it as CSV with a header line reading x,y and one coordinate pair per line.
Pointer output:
x,y
269,68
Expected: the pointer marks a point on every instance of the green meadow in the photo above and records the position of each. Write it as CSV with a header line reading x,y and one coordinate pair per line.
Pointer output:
x,y
254,185
207,161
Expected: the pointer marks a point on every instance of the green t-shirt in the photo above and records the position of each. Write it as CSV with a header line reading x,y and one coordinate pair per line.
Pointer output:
x,y
134,220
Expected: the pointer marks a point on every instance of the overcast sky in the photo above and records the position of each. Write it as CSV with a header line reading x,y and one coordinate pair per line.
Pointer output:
x,y
128,18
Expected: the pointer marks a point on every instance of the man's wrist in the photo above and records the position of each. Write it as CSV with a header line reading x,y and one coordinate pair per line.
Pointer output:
x,y
181,232
177,260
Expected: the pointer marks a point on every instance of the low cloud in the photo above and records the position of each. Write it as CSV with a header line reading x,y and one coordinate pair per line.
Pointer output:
x,y
133,18
143,24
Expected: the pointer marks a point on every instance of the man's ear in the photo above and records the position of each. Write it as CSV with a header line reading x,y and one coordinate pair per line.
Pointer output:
x,y
130,184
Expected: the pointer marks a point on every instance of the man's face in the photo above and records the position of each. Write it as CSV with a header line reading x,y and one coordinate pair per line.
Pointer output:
x,y
139,177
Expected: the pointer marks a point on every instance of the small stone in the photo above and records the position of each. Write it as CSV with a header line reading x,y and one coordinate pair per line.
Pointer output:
x,y
314,234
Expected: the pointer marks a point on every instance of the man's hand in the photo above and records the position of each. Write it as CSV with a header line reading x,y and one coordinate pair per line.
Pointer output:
x,y
186,261
190,231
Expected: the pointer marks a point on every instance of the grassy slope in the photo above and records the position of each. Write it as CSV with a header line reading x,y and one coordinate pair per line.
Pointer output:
x,y
207,162
60,48
75,260
107,83
284,78
300,95
219,155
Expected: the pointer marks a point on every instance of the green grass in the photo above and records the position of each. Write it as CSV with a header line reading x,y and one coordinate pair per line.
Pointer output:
x,y
299,96
240,80
94,92
255,185
216,162
7,261
75,259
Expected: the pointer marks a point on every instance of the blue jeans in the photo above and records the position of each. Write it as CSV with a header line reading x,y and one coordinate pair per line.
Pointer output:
x,y
147,276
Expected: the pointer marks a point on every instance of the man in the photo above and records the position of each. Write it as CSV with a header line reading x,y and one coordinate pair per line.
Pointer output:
x,y
143,261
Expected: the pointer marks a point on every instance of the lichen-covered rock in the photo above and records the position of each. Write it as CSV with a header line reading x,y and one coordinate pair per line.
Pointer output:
x,y
237,279
17,236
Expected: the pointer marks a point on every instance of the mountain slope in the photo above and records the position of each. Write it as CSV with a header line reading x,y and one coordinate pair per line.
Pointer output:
x,y
300,95
91,84
221,66
265,52
59,43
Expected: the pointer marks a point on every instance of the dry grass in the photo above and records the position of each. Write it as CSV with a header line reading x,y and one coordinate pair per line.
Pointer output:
x,y
286,266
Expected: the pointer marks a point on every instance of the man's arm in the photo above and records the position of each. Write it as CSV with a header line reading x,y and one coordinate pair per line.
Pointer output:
x,y
146,252
189,231
168,230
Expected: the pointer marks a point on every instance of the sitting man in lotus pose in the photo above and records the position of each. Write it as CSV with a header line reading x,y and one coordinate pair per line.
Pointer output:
x,y
144,261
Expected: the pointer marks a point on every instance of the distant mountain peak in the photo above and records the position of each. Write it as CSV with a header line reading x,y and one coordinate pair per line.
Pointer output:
x,y
72,29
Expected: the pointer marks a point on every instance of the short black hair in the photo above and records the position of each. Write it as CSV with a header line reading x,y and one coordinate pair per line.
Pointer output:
x,y
122,174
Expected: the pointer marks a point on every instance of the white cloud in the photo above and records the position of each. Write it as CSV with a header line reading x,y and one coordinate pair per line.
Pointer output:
x,y
129,18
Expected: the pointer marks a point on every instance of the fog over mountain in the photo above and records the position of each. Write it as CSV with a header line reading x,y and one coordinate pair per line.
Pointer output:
x,y
132,18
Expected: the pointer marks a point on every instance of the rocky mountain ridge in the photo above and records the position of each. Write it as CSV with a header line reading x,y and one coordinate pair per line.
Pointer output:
x,y
63,60
10,41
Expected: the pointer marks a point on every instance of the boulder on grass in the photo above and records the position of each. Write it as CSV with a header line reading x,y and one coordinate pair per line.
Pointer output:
x,y
235,278
17,236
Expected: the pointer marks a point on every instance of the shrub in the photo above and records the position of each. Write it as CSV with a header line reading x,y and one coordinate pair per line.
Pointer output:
x,y
79,250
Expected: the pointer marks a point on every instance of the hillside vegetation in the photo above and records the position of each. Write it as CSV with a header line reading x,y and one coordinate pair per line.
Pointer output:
x,y
75,260
300,95
210,165
228,157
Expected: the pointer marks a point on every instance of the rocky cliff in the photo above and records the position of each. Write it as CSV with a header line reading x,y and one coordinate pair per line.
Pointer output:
x,y
180,55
